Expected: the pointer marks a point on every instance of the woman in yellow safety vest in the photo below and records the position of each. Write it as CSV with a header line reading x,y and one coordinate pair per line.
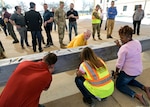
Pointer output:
x,y
93,78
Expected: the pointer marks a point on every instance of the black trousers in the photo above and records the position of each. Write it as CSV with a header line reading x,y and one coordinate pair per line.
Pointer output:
x,y
2,46
11,31
136,26
48,34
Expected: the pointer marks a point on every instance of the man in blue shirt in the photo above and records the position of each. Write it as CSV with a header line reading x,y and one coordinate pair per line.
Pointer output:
x,y
48,19
111,13
72,15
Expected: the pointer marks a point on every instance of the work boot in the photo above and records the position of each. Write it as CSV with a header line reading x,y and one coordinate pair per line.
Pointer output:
x,y
62,46
99,38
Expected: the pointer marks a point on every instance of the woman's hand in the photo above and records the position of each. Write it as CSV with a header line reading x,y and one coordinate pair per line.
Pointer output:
x,y
117,43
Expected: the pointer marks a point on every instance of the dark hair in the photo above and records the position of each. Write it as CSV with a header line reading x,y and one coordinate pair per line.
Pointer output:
x,y
139,5
4,8
71,3
88,54
16,8
98,6
45,4
112,1
126,31
50,58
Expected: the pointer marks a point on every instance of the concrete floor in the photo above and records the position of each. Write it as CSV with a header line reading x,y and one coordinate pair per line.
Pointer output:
x,y
63,92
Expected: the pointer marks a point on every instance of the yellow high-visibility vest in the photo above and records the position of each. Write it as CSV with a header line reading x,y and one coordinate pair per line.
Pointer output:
x,y
98,81
94,19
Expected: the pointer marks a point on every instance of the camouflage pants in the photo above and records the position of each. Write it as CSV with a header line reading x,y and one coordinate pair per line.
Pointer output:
x,y
96,27
61,32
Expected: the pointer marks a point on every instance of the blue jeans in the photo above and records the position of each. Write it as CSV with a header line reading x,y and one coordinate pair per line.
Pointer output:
x,y
124,80
72,25
36,35
79,83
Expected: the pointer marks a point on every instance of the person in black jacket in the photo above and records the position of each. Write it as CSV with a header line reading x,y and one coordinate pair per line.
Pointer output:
x,y
34,22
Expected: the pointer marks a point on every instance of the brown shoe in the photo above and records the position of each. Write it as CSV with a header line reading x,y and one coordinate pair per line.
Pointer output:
x,y
62,46
2,56
99,38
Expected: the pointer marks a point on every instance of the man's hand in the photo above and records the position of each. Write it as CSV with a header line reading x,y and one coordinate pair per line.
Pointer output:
x,y
45,23
17,26
71,16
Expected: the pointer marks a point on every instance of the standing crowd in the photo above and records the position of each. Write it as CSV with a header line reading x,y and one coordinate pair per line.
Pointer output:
x,y
28,21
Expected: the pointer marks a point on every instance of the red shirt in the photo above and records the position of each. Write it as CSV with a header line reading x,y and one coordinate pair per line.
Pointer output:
x,y
25,85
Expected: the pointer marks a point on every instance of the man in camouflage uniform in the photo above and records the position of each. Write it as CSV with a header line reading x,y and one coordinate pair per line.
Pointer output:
x,y
60,19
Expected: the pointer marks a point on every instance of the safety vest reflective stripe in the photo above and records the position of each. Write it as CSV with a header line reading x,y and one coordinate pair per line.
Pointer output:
x,y
101,82
95,80
91,71
95,20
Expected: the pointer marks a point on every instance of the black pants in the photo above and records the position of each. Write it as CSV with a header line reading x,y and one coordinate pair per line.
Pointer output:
x,y
36,35
5,30
11,31
2,46
136,23
48,34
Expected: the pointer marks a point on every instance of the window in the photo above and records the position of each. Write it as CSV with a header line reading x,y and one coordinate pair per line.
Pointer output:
x,y
124,8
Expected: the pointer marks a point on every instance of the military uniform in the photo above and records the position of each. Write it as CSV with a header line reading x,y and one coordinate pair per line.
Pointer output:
x,y
60,19
96,20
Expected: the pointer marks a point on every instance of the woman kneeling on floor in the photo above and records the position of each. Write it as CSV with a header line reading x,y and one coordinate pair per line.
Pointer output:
x,y
129,65
93,78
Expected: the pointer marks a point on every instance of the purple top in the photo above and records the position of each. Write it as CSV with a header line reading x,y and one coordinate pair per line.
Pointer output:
x,y
129,58
7,15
